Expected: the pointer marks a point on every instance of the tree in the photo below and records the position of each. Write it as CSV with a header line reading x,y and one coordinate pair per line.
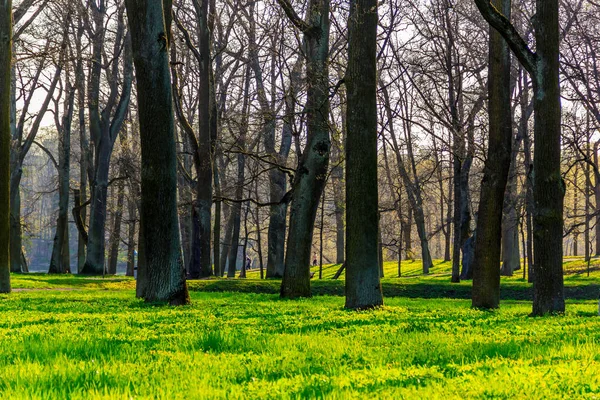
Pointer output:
x,y
60,261
363,287
311,172
486,264
150,23
548,185
5,67
105,125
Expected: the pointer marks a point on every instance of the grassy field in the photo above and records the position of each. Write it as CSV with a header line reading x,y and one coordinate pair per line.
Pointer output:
x,y
88,338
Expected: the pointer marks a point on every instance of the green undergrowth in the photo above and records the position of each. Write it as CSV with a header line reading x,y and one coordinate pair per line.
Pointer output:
x,y
412,283
100,344
72,337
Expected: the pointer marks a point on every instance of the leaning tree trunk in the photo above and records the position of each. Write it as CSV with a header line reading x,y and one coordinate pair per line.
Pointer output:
x,y
150,26
363,286
486,263
5,67
311,173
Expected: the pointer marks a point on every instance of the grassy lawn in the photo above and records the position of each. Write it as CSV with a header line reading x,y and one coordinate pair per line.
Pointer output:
x,y
97,341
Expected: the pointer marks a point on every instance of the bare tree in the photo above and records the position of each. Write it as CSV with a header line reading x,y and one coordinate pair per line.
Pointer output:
x,y
311,172
548,185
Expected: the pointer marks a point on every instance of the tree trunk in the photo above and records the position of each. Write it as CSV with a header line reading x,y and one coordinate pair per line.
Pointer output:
x,y
548,185
363,286
94,262
60,260
204,188
104,129
16,233
337,181
5,139
115,240
236,210
150,33
311,173
511,258
131,213
413,190
217,225
486,264
226,245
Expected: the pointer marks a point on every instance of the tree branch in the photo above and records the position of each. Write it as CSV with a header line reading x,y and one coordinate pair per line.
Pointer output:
x,y
514,40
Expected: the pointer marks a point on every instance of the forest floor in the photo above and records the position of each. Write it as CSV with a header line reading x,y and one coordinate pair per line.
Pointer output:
x,y
97,340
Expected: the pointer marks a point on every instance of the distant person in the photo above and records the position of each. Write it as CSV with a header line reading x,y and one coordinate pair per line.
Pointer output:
x,y
315,262
248,263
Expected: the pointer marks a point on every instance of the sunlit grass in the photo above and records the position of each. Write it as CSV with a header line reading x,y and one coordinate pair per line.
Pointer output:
x,y
107,344
97,341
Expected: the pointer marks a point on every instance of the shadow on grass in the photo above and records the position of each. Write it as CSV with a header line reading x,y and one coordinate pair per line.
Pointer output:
x,y
422,290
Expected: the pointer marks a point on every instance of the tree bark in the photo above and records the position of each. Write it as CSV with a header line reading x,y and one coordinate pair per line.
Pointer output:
x,y
60,260
132,214
363,286
310,177
149,22
115,240
236,210
486,263
5,90
548,186
104,130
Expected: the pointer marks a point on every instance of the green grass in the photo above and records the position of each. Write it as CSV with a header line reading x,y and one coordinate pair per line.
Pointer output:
x,y
96,341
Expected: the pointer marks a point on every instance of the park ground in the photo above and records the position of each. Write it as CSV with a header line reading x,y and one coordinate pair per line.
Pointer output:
x,y
69,337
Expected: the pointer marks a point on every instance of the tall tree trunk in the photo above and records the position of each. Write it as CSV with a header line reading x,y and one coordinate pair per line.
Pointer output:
x,y
236,210
226,244
5,90
132,214
363,286
149,22
548,185
311,173
16,232
204,189
84,143
486,263
115,240
337,181
511,258
217,225
105,126
413,188
94,262
60,260
597,198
